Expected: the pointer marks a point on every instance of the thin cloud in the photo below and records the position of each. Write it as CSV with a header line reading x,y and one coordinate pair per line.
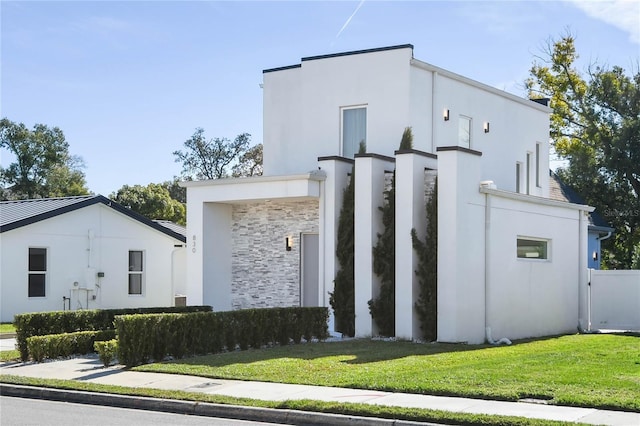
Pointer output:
x,y
622,14
346,24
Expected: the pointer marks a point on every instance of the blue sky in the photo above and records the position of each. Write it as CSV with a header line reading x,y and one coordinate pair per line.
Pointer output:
x,y
129,82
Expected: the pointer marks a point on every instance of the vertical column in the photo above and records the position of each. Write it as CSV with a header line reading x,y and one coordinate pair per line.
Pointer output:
x,y
216,256
337,170
195,208
461,298
369,190
410,214
583,284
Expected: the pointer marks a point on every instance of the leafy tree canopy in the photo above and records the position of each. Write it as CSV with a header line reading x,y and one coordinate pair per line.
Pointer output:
x,y
43,167
595,126
153,201
219,157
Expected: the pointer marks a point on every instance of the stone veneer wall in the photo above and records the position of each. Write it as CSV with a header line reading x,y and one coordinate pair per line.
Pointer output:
x,y
264,274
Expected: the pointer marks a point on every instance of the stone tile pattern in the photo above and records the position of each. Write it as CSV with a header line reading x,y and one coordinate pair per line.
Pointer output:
x,y
264,274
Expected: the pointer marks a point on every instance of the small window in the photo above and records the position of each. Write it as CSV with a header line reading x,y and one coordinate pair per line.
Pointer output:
x,y
464,132
538,165
37,272
528,176
135,272
532,248
518,167
354,130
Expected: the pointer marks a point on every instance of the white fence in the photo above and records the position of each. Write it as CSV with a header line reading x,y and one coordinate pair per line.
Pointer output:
x,y
614,300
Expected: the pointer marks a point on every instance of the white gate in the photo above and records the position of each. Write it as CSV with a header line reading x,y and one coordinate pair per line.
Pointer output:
x,y
614,300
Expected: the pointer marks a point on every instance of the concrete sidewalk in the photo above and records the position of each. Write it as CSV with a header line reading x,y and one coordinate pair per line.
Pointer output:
x,y
89,368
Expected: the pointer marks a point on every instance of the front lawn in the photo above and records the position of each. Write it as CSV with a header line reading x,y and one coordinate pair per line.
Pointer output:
x,y
600,371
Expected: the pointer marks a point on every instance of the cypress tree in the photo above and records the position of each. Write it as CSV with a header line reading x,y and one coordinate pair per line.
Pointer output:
x,y
342,299
383,307
427,272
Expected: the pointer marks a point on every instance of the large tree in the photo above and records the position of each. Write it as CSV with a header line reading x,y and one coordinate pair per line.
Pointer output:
x,y
153,201
43,166
595,126
216,158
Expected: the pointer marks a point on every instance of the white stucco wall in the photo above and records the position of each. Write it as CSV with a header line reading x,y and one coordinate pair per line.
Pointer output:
x,y
615,300
533,297
302,115
66,238
302,107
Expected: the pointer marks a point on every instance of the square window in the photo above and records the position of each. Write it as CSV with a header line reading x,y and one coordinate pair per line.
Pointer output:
x,y
532,248
37,285
135,283
37,259
354,130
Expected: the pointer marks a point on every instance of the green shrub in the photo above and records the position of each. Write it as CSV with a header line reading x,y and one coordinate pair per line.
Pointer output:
x,y
107,351
57,322
142,338
65,344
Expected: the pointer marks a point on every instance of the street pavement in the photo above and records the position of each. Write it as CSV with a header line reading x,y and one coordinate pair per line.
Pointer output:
x,y
89,369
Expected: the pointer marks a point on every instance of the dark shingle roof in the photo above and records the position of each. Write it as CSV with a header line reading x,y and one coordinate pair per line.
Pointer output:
x,y
179,229
16,214
559,191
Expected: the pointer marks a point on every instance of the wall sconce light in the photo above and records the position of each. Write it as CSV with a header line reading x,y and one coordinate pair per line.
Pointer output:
x,y
288,241
486,127
446,115
594,256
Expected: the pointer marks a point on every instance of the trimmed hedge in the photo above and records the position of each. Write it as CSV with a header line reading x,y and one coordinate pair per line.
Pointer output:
x,y
57,322
107,350
66,344
142,338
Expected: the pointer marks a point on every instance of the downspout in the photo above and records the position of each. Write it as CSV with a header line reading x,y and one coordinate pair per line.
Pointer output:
x,y
583,299
433,111
605,237
173,279
487,263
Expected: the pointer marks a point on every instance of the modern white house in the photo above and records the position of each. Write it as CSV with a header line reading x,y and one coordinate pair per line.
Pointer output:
x,y
511,260
86,252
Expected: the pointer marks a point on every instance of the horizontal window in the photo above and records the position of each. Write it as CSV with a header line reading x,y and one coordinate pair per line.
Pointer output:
x,y
532,249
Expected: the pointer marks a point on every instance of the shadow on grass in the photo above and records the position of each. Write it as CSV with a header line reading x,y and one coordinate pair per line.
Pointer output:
x,y
355,351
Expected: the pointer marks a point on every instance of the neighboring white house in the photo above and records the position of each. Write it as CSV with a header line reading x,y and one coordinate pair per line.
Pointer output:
x,y
511,261
83,253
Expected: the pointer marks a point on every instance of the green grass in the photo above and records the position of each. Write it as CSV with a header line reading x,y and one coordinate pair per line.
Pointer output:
x,y
12,355
601,371
7,327
411,414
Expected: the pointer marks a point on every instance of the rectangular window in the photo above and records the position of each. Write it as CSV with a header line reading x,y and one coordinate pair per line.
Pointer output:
x,y
538,165
529,248
136,271
37,272
528,176
518,177
354,130
464,132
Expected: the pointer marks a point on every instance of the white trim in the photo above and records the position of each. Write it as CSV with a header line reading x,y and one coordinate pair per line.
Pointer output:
x,y
316,175
535,199
481,86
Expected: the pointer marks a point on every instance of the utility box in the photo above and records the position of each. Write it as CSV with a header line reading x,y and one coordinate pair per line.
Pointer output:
x,y
180,300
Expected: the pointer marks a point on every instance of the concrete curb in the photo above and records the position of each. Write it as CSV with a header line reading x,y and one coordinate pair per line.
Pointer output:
x,y
284,416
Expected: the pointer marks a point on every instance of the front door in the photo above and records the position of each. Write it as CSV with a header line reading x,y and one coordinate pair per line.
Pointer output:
x,y
309,291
